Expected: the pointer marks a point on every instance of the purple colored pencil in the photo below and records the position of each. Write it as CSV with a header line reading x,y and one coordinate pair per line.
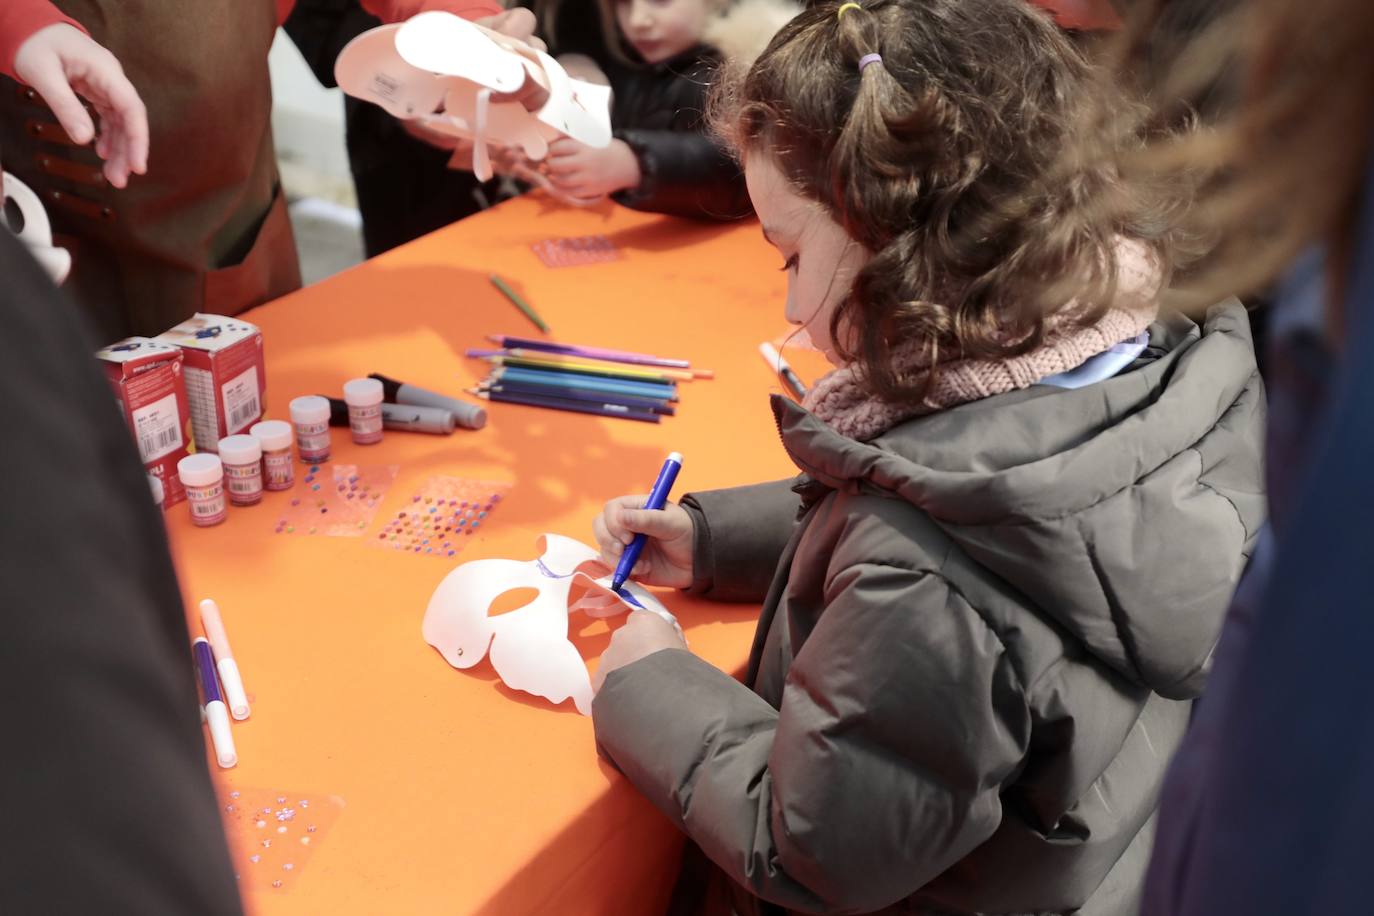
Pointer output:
x,y
614,356
604,410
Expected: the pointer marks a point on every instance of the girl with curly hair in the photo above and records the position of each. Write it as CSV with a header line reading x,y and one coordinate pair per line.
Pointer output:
x,y
1026,494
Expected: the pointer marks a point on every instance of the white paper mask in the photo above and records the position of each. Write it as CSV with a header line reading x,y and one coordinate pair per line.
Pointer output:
x,y
529,647
441,71
36,231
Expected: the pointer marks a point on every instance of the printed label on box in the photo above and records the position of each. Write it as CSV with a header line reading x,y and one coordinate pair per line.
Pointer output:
x,y
147,380
226,382
157,428
241,400
200,393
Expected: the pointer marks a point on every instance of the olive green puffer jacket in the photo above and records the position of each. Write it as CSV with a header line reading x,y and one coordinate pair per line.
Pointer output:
x,y
978,648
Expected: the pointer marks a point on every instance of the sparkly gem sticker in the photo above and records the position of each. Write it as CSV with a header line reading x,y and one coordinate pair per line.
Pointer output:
x,y
337,500
574,252
435,520
274,863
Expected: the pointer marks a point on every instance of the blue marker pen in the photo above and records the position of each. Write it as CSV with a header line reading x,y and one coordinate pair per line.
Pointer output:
x,y
657,497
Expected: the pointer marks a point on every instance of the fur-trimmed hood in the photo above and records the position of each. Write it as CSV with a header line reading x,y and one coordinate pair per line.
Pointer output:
x,y
742,29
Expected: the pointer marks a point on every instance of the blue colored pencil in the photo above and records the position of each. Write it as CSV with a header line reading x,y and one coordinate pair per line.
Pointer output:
x,y
585,383
555,385
649,389
600,409
574,394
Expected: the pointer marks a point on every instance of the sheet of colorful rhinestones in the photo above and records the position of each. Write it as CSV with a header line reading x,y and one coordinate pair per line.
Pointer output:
x,y
442,517
574,252
272,833
339,500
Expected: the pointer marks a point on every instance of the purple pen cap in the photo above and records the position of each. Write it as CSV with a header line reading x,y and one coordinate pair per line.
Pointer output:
x,y
205,670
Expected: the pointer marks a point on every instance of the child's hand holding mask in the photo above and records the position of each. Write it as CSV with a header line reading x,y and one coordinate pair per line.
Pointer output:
x,y
581,171
642,635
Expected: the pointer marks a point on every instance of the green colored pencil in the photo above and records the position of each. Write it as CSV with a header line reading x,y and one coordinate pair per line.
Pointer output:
x,y
521,304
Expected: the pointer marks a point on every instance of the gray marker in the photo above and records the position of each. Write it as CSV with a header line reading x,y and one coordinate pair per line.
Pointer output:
x,y
469,416
403,417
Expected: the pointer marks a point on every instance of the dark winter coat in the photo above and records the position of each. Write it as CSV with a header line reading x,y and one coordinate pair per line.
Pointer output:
x,y
980,639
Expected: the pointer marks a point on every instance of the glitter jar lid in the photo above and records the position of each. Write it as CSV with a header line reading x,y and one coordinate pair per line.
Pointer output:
x,y
310,408
273,435
200,469
362,392
240,450
155,484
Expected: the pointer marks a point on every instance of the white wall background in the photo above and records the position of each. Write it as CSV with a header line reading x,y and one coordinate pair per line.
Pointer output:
x,y
307,120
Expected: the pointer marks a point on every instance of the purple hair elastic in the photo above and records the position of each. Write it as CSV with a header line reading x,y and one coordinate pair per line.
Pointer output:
x,y
869,59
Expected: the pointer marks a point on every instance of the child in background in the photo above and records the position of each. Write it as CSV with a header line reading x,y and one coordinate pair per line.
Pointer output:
x,y
660,57
1026,496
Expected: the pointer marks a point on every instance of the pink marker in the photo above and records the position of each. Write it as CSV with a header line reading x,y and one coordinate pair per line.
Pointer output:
x,y
224,659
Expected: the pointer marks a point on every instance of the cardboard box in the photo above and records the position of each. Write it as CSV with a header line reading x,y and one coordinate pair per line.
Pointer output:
x,y
147,379
226,379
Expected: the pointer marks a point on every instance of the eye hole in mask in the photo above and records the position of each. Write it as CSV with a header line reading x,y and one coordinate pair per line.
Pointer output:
x,y
517,614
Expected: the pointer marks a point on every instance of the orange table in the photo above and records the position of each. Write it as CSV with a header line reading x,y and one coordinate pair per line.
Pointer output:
x,y
462,796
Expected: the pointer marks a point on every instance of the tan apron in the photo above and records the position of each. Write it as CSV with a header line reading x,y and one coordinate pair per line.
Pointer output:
x,y
206,229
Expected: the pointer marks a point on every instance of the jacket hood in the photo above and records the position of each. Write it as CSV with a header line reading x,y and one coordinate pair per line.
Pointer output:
x,y
1122,510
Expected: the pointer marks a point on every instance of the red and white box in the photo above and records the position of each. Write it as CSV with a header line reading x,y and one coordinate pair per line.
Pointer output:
x,y
147,378
226,381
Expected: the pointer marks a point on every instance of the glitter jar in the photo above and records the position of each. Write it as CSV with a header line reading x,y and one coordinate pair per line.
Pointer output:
x,y
155,484
242,458
364,399
202,475
275,438
310,415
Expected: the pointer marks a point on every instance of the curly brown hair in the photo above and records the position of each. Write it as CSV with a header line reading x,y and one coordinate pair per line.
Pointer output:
x,y
946,162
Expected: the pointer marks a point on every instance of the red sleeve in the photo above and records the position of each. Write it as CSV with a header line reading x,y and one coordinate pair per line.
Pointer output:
x,y
19,19
1082,14
401,10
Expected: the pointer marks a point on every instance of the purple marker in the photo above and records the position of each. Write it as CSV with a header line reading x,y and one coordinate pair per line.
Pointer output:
x,y
216,713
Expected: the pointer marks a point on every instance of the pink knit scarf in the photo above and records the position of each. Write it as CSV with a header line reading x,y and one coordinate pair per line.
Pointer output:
x,y
850,408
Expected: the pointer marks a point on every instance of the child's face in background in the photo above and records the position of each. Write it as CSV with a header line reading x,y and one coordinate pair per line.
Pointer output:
x,y
819,256
662,29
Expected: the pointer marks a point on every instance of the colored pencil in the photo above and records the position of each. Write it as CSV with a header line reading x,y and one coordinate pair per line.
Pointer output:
x,y
603,370
653,373
615,356
586,382
519,303
576,394
602,409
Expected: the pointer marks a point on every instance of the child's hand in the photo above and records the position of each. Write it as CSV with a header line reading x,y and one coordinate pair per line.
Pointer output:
x,y
62,62
642,635
578,170
667,555
518,23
